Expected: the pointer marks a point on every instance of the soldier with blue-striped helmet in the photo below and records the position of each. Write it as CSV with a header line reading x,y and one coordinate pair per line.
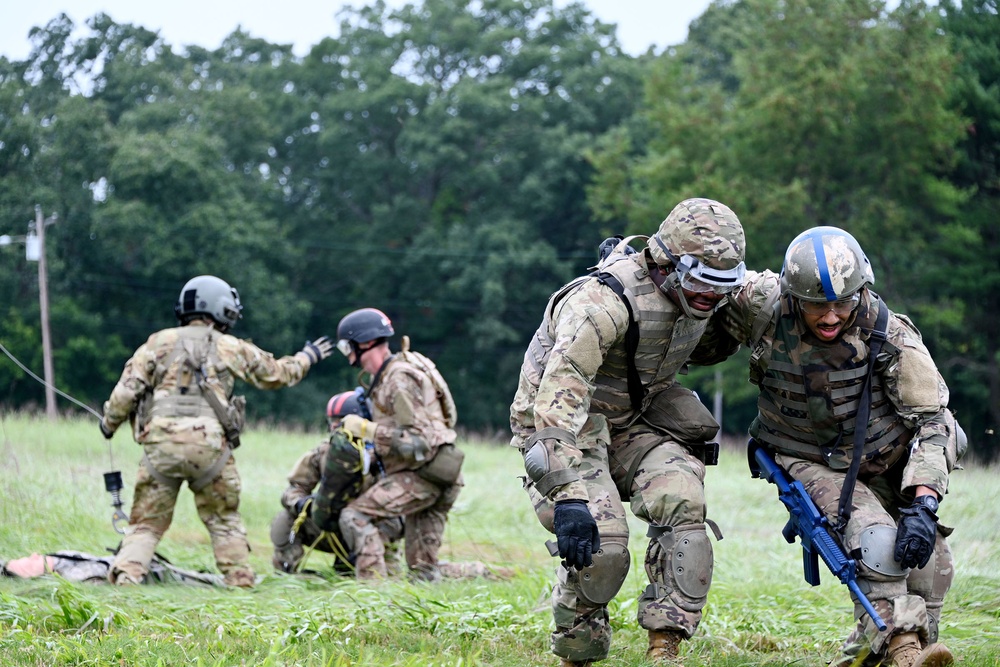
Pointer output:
x,y
825,271
853,407
825,264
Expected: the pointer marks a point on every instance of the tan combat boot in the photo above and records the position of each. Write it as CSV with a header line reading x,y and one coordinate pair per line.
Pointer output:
x,y
123,579
664,646
241,578
904,651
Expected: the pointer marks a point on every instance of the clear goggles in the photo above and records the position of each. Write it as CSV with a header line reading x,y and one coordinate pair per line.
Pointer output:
x,y
696,277
839,307
345,347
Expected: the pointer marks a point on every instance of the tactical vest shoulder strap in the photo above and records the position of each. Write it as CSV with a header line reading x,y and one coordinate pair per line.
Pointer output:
x,y
636,392
876,338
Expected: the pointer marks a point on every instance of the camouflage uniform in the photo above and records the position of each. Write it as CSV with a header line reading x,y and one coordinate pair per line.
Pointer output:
x,y
808,397
303,480
181,448
91,569
573,382
411,430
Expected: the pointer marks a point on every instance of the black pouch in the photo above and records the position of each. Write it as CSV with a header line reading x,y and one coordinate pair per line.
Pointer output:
x,y
707,453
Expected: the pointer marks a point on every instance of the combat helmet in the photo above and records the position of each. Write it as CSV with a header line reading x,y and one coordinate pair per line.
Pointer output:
x,y
361,326
825,264
702,241
208,295
343,404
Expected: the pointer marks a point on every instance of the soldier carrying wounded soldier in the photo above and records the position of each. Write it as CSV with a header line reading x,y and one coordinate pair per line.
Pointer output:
x,y
601,421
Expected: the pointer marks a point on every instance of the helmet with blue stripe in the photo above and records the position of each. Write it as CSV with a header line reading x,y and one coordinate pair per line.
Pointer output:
x,y
825,264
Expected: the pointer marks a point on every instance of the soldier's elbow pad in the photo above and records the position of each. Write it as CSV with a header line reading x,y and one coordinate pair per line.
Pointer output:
x,y
537,465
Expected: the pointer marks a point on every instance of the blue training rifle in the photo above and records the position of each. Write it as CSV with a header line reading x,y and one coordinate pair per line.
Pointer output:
x,y
813,530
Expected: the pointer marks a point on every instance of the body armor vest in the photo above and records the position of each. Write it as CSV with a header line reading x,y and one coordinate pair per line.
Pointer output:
x,y
807,410
666,340
195,348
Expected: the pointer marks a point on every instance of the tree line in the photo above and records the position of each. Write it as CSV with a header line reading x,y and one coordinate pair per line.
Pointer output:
x,y
454,162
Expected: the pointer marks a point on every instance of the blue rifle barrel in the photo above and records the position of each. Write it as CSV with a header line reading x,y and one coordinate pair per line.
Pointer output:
x,y
806,521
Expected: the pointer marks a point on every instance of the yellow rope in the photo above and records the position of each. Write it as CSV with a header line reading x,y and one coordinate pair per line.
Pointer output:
x,y
358,444
336,546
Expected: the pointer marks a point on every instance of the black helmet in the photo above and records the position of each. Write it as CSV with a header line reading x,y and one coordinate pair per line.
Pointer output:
x,y
364,325
361,326
208,295
344,403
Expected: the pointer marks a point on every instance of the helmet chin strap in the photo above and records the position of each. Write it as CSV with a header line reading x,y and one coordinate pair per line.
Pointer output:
x,y
672,284
357,354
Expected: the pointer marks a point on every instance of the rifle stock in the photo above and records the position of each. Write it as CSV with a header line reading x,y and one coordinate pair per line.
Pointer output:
x,y
812,529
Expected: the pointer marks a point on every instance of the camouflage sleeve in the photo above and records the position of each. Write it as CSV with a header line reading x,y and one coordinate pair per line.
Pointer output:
x,y
920,395
587,324
258,367
410,425
715,346
136,379
745,309
304,477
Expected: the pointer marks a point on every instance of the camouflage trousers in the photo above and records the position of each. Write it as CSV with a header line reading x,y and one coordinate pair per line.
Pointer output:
x,y
907,600
217,504
664,485
424,507
288,553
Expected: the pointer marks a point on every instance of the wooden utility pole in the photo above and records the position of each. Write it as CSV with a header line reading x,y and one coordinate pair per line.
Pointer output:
x,y
43,304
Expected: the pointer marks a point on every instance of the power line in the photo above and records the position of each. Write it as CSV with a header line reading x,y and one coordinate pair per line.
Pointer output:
x,y
46,384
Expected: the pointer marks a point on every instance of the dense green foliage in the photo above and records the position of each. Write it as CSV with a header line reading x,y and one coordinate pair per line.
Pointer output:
x,y
452,163
760,611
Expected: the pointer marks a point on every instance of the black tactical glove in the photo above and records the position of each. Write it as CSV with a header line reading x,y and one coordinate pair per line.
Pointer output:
x,y
318,349
576,533
105,431
301,502
916,534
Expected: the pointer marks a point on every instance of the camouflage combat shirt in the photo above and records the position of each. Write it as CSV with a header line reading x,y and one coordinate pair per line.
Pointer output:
x,y
908,377
237,359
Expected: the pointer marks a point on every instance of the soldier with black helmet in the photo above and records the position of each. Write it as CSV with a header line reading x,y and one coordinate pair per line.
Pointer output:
x,y
177,390
412,428
601,421
825,352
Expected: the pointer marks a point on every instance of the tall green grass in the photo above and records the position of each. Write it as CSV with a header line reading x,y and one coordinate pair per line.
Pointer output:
x,y
760,611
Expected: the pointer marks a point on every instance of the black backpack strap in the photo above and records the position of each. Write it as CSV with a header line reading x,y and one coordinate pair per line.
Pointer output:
x,y
875,340
636,392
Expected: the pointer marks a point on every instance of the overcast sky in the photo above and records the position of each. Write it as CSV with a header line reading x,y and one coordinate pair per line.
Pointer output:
x,y
302,23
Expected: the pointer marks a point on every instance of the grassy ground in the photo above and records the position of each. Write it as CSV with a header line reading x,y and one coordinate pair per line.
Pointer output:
x,y
760,611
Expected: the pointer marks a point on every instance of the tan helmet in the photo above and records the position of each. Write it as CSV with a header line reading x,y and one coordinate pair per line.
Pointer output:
x,y
704,239
825,264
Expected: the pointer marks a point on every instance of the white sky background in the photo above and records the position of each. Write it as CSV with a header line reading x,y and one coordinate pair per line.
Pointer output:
x,y
303,23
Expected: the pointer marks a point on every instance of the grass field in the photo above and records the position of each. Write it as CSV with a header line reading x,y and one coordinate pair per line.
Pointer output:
x,y
760,611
